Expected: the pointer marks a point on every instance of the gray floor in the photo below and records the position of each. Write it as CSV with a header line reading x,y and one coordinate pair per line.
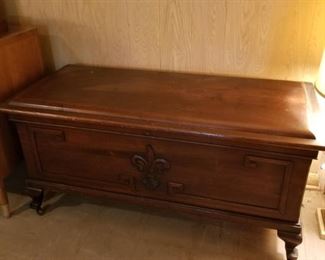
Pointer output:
x,y
83,228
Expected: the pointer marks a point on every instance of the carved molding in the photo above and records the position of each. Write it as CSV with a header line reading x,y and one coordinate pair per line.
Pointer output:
x,y
151,167
254,162
174,188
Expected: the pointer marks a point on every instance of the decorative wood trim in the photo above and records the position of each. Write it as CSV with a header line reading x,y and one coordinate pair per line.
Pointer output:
x,y
50,134
128,181
151,166
252,161
56,135
42,122
187,210
174,188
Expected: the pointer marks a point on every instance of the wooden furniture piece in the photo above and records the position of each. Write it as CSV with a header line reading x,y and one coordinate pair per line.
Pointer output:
x,y
209,147
3,26
20,64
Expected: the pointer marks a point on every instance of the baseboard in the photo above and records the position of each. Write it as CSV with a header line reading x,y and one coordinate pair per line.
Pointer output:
x,y
313,182
321,222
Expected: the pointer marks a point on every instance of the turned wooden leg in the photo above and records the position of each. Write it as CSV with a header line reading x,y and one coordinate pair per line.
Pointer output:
x,y
291,240
4,205
38,198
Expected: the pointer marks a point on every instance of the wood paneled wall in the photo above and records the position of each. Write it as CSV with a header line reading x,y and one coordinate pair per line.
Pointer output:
x,y
280,39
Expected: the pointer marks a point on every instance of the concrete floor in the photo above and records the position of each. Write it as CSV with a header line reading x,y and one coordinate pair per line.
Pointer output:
x,y
84,228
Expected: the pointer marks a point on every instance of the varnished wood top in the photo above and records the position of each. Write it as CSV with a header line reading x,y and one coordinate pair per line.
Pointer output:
x,y
208,104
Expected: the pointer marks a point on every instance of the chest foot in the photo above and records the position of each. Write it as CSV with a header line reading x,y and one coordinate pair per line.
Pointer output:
x,y
291,240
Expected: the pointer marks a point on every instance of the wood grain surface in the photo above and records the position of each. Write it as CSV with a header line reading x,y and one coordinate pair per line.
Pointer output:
x,y
20,64
270,39
200,103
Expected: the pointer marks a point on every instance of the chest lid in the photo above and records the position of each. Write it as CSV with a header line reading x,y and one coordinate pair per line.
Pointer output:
x,y
210,105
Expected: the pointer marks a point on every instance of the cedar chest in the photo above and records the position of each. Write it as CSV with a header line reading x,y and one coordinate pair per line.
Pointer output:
x,y
208,147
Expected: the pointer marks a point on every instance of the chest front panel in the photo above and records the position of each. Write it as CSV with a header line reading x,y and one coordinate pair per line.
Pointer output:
x,y
218,177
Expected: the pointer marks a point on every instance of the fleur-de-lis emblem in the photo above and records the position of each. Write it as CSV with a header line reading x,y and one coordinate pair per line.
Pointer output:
x,y
151,167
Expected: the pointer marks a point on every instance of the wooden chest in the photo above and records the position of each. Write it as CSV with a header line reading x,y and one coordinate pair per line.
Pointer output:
x,y
204,146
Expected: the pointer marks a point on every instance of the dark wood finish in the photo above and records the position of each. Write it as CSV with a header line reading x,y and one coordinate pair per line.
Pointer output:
x,y
291,240
38,198
204,146
3,26
20,64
